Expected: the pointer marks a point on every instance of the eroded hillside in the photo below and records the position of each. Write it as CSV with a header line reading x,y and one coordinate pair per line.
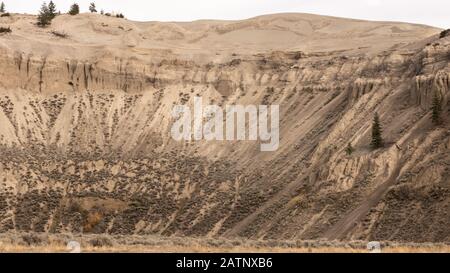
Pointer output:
x,y
85,128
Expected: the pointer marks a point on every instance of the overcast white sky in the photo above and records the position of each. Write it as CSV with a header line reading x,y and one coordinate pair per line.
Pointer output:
x,y
430,12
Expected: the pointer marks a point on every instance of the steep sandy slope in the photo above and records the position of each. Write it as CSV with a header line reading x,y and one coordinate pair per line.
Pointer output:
x,y
85,128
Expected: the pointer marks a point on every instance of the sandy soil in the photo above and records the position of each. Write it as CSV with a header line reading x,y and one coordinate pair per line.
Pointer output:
x,y
94,35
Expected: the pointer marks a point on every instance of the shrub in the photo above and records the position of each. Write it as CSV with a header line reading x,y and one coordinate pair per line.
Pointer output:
x,y
31,239
92,220
298,55
349,150
444,33
5,30
101,242
7,14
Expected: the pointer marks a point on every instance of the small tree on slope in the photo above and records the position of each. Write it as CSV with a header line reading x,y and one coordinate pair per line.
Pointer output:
x,y
74,9
92,8
436,108
377,139
349,150
51,10
44,19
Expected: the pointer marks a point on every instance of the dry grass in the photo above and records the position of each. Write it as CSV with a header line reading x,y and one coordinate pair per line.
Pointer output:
x,y
92,220
53,243
202,249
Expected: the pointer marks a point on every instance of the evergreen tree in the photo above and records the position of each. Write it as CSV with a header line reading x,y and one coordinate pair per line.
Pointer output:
x,y
44,18
74,9
92,8
2,8
436,108
52,10
349,150
377,140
